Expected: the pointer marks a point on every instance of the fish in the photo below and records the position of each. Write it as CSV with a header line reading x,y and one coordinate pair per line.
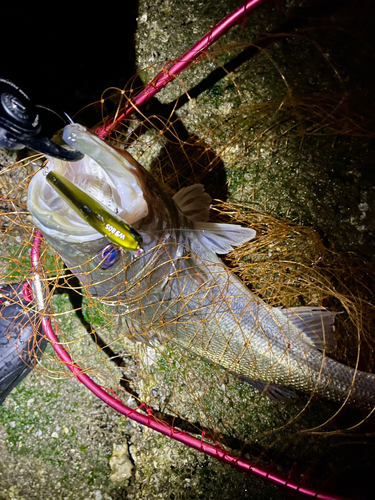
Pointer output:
x,y
178,289
21,344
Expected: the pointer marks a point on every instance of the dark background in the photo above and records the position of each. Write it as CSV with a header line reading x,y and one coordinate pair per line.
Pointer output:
x,y
64,57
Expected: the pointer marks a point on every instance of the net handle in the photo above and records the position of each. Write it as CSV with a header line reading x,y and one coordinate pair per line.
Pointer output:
x,y
173,69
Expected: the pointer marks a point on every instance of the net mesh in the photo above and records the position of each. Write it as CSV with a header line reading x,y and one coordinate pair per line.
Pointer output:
x,y
131,356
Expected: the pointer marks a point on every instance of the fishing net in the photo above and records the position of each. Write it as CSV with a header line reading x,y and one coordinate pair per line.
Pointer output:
x,y
236,142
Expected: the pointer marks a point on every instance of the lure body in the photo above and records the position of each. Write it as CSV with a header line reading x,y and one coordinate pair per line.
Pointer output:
x,y
95,214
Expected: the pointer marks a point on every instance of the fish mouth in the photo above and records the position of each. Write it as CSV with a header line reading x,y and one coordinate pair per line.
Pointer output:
x,y
103,173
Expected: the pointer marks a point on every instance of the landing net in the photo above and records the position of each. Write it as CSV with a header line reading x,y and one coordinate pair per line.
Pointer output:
x,y
233,144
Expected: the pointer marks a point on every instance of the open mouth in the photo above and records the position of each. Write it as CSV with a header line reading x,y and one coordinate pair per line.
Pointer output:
x,y
103,175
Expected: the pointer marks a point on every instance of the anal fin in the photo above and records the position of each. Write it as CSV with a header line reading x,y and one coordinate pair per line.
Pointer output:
x,y
275,392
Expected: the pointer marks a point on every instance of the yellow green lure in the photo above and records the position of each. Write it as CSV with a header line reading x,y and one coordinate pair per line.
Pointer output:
x,y
94,213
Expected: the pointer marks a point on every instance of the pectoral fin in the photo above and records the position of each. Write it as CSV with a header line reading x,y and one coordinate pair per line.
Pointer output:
x,y
221,238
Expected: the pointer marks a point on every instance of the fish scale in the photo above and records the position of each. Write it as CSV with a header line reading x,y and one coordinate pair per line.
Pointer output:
x,y
179,291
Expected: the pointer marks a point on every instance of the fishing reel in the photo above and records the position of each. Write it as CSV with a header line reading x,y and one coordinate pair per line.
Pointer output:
x,y
20,125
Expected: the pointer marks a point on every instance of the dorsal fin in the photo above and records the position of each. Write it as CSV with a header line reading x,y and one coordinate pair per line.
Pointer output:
x,y
193,202
316,324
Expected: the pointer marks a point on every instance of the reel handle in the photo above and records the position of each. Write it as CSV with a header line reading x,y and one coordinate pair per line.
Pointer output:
x,y
20,125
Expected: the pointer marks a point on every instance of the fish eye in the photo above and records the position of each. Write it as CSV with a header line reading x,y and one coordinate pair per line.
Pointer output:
x,y
108,256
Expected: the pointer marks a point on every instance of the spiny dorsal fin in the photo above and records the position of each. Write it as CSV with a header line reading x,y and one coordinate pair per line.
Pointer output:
x,y
193,202
316,324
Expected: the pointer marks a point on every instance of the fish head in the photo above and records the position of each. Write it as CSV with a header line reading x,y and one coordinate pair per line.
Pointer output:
x,y
120,184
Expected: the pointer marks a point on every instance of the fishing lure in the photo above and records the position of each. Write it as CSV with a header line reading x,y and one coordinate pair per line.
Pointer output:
x,y
94,213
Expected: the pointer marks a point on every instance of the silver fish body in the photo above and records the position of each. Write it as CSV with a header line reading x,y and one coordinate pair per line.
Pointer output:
x,y
178,290
207,310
